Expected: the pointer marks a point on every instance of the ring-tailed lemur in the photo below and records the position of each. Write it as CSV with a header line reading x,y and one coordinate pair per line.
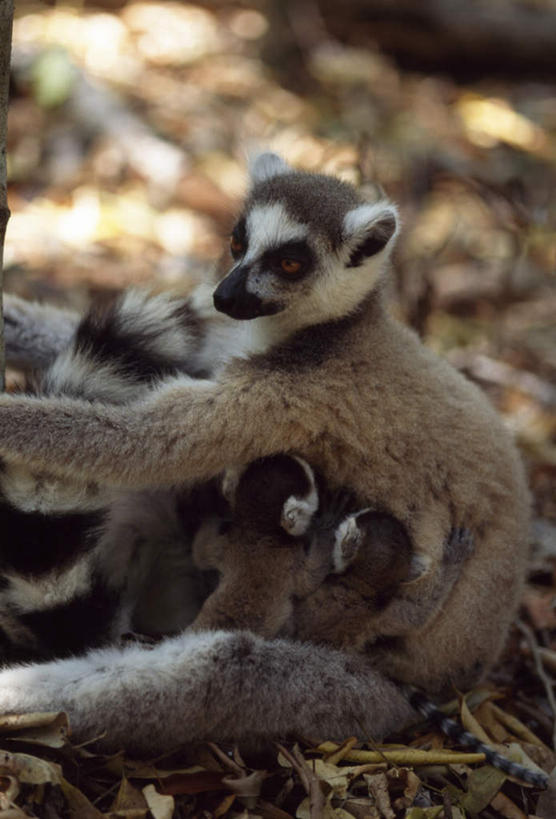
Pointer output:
x,y
334,378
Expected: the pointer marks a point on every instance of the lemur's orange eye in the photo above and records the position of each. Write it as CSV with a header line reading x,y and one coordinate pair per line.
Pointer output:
x,y
235,245
290,266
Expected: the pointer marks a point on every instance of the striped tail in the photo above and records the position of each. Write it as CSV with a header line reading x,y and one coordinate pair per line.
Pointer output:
x,y
448,726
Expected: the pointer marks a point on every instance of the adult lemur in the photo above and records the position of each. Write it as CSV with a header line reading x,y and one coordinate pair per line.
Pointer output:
x,y
327,373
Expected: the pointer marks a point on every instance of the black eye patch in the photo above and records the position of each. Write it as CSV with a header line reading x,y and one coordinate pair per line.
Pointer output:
x,y
238,243
299,252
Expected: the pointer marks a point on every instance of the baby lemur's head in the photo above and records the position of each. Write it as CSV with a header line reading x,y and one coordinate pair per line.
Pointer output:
x,y
307,247
274,495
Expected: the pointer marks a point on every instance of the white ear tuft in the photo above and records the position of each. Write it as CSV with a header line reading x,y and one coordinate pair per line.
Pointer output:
x,y
363,217
369,228
265,166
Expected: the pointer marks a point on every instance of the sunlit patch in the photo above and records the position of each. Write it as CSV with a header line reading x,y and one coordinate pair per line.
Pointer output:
x,y
491,120
248,24
101,42
172,33
92,217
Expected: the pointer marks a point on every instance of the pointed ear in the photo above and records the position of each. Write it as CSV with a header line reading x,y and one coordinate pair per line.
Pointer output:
x,y
265,166
368,229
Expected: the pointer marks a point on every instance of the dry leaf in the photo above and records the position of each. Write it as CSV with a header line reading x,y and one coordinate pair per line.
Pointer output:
x,y
161,807
378,788
128,797
192,783
482,786
406,755
506,807
43,728
78,804
246,787
471,724
224,806
30,769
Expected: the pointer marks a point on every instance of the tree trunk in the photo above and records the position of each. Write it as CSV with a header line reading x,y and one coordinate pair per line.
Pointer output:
x,y
6,20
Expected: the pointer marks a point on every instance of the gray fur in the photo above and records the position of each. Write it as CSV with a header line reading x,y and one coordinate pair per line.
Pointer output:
x,y
214,684
35,333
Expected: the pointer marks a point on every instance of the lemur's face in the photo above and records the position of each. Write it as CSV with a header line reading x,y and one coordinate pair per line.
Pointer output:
x,y
305,242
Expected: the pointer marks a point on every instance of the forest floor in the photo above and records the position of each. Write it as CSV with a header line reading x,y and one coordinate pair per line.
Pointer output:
x,y
128,133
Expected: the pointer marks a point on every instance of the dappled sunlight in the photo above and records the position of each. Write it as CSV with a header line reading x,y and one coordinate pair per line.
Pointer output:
x,y
489,121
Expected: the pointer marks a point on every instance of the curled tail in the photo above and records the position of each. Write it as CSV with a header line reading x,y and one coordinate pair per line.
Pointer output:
x,y
451,728
209,685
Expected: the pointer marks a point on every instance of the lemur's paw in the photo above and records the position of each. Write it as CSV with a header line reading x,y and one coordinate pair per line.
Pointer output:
x,y
296,516
347,540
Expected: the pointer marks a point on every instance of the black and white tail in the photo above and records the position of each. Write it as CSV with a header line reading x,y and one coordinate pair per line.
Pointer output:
x,y
448,726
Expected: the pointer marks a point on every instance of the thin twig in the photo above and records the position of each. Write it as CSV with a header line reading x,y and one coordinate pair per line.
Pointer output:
x,y
227,761
309,780
546,681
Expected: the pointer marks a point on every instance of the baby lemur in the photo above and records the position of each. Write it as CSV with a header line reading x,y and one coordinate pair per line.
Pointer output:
x,y
314,364
288,537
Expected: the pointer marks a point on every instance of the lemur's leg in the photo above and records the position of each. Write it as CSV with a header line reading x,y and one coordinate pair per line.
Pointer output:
x,y
35,333
212,685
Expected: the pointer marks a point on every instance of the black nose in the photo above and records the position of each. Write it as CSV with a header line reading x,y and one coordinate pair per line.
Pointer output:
x,y
230,291
232,297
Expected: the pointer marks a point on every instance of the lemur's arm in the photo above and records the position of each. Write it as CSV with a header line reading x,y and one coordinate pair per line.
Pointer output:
x,y
184,431
35,333
212,685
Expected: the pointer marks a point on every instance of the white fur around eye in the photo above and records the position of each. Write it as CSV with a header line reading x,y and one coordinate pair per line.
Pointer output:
x,y
270,226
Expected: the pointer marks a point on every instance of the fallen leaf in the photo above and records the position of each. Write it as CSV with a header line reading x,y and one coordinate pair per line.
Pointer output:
x,y
406,755
161,806
378,788
128,797
29,769
482,786
506,808
78,804
43,728
192,783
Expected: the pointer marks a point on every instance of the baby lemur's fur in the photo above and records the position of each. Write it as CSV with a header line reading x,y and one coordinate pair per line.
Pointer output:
x,y
319,368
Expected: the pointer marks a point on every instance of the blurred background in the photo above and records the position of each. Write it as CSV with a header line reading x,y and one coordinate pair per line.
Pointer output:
x,y
130,124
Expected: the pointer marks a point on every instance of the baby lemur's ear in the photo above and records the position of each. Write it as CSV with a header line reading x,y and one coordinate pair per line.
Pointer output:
x,y
369,229
264,166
